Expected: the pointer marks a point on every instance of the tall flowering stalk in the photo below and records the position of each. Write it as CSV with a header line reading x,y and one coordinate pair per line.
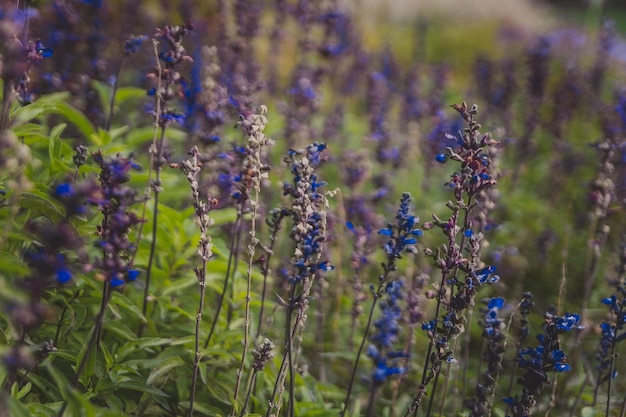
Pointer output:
x,y
191,167
116,264
402,237
462,251
168,86
308,231
254,171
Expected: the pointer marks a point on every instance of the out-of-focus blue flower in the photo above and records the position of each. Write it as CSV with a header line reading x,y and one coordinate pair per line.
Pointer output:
x,y
387,329
402,234
133,43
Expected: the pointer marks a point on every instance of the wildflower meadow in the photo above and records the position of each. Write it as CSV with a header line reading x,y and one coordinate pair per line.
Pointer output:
x,y
312,208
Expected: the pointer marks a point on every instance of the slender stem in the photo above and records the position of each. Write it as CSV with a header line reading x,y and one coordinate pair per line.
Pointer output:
x,y
7,100
201,274
251,385
374,391
235,260
156,153
277,386
280,378
431,400
610,382
60,322
107,126
289,335
623,411
346,401
266,269
155,219
251,253
93,341
106,297
236,231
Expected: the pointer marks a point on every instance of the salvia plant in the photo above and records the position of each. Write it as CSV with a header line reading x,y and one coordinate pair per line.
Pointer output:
x,y
160,255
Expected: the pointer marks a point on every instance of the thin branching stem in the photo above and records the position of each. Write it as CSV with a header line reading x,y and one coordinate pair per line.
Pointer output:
x,y
192,169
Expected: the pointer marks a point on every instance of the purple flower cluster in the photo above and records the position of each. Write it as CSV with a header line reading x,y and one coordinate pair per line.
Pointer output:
x,y
117,198
170,82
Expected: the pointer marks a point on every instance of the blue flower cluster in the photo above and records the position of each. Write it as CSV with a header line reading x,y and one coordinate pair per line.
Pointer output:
x,y
387,327
402,235
539,361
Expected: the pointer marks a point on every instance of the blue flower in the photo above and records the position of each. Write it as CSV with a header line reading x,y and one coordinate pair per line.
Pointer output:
x,y
64,190
402,234
133,43
387,330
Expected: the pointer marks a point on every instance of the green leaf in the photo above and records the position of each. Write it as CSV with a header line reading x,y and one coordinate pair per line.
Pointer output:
x,y
180,284
59,379
116,327
108,358
50,392
202,408
28,129
121,300
90,362
83,404
164,367
139,385
142,135
78,119
223,216
12,265
16,409
22,392
104,92
54,142
125,94
137,345
114,403
41,206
